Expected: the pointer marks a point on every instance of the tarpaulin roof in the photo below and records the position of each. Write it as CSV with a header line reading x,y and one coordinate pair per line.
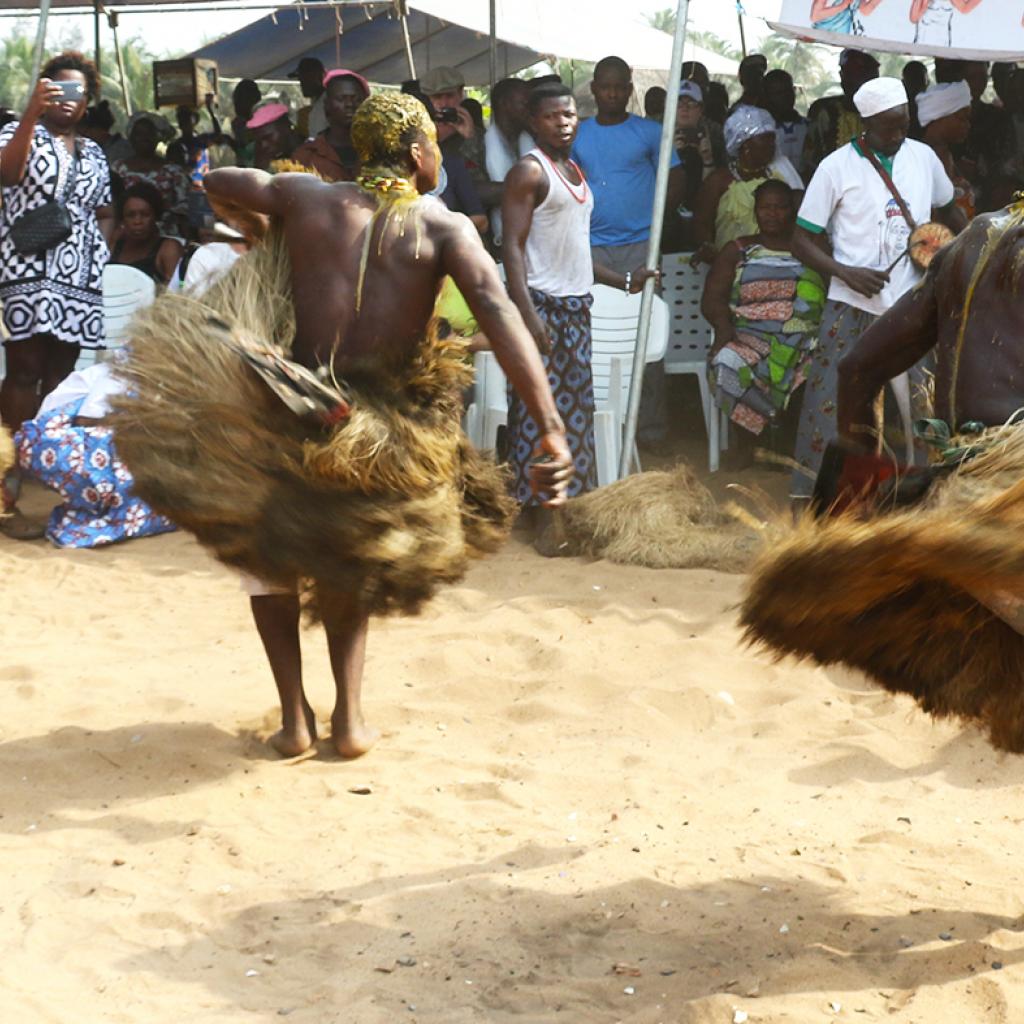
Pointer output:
x,y
454,33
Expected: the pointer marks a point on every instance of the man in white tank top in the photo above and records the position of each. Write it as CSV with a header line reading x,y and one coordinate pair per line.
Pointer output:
x,y
546,214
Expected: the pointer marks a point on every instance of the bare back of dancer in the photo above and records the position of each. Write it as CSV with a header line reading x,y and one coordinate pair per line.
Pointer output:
x,y
968,309
367,261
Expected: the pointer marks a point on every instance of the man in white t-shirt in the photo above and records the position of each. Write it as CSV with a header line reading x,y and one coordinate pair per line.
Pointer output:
x,y
506,140
849,201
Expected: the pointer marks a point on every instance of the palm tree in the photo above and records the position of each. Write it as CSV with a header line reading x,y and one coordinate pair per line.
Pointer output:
x,y
664,20
16,69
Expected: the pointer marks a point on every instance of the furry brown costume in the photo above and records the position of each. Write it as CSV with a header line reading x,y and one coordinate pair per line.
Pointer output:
x,y
380,510
663,520
898,596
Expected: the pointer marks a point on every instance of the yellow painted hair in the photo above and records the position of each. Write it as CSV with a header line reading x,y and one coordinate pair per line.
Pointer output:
x,y
384,126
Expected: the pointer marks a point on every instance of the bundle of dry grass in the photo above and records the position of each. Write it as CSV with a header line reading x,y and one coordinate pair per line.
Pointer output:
x,y
907,597
662,520
377,512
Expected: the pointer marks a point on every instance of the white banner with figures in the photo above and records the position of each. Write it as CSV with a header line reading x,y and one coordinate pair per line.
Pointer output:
x,y
966,29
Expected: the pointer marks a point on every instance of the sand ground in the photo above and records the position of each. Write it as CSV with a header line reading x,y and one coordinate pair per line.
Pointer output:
x,y
590,804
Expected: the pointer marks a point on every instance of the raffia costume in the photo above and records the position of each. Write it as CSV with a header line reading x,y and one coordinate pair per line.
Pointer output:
x,y
929,600
371,515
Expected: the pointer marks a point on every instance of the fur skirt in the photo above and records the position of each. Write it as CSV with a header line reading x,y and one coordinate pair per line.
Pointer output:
x,y
924,601
368,517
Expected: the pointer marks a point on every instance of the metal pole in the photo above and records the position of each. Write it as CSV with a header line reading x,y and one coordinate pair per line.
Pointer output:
x,y
403,13
494,42
37,56
654,246
98,53
112,21
743,34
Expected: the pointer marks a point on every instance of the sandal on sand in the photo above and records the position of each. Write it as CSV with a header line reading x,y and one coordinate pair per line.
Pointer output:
x,y
18,526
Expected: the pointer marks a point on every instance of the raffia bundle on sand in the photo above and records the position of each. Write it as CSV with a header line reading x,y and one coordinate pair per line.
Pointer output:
x,y
662,520
375,513
907,597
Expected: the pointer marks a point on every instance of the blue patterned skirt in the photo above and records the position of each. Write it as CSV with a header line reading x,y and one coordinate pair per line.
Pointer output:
x,y
568,368
80,464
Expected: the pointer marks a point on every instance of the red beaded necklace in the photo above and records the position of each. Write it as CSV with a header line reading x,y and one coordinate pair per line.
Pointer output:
x,y
582,198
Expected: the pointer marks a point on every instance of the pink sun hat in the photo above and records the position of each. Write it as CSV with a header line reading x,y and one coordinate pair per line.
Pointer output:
x,y
345,73
267,115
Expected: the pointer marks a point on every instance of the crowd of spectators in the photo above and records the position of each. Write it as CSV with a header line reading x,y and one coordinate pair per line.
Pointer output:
x,y
789,209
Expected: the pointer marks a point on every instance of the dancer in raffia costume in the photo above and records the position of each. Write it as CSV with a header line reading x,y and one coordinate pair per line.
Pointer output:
x,y
928,600
359,492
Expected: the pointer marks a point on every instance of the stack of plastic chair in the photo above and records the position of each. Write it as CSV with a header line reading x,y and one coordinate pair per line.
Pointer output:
x,y
615,320
690,338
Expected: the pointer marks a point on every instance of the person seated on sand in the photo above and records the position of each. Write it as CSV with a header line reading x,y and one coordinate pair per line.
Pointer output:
x,y
968,310
349,261
765,307
69,447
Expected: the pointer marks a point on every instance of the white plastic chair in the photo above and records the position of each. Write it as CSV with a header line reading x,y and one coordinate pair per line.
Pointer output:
x,y
615,321
489,409
690,338
125,290
614,318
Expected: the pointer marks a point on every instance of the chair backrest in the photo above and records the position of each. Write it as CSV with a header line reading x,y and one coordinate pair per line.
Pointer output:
x,y
125,289
690,334
615,320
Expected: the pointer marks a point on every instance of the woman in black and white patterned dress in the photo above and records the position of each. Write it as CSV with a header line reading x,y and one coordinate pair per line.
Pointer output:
x,y
52,301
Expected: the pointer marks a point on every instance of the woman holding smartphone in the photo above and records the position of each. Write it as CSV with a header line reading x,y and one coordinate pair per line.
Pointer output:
x,y
52,298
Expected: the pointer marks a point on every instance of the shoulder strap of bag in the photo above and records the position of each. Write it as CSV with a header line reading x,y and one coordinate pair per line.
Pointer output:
x,y
869,153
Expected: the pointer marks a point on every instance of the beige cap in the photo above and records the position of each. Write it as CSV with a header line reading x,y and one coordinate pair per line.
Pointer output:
x,y
442,79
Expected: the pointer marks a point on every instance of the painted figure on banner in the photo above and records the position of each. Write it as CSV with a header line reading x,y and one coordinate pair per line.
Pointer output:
x,y
841,15
933,19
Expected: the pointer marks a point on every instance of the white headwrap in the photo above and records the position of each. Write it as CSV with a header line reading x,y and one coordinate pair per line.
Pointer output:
x,y
746,123
941,101
879,95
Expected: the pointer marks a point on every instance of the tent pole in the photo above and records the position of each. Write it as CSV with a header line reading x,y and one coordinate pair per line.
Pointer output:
x,y
403,13
112,21
494,42
37,56
654,245
743,34
98,53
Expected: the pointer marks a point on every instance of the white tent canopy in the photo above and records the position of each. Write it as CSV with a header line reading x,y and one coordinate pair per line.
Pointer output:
x,y
455,33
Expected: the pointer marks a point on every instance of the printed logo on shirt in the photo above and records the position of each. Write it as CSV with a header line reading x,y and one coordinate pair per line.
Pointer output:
x,y
896,233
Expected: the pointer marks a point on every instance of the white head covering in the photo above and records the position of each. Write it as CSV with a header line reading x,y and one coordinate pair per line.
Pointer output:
x,y
941,101
879,95
746,123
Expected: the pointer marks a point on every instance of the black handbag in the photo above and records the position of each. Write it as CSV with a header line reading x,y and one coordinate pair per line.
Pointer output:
x,y
47,225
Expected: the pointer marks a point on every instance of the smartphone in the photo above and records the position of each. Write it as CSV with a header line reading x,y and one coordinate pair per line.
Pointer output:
x,y
71,90
447,115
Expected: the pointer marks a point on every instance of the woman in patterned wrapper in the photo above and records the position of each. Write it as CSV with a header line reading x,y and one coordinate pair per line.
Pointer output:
x,y
52,301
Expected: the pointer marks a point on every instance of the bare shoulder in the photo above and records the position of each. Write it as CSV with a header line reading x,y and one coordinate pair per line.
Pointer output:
x,y
963,252
526,170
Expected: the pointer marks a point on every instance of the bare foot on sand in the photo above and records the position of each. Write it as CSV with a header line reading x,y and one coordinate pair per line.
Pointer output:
x,y
298,738
352,740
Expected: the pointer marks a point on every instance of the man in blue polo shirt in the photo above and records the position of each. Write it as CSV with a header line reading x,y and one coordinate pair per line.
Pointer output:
x,y
618,153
